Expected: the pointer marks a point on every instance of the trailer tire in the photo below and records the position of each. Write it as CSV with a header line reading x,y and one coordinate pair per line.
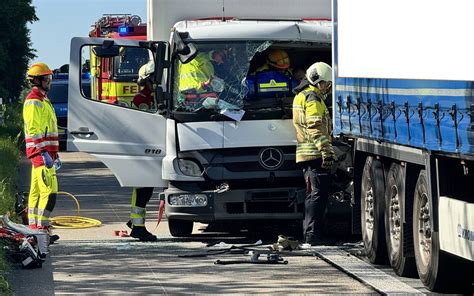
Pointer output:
x,y
180,228
398,223
438,271
372,211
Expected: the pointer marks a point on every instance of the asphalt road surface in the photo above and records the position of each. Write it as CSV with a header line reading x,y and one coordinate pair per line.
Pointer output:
x,y
97,261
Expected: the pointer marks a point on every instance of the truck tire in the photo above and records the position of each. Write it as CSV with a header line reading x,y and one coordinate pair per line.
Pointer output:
x,y
438,271
372,211
180,228
398,223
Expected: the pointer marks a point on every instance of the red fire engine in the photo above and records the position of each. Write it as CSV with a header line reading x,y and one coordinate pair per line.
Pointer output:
x,y
113,79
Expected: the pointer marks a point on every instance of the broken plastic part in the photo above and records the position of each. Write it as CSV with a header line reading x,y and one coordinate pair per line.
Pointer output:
x,y
222,188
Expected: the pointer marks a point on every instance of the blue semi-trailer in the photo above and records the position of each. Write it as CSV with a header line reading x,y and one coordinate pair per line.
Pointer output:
x,y
403,99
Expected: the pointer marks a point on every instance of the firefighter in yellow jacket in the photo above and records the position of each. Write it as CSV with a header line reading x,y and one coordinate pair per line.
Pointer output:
x,y
314,149
41,137
197,79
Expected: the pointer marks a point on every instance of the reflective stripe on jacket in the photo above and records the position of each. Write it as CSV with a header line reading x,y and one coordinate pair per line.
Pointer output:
x,y
196,74
312,123
41,127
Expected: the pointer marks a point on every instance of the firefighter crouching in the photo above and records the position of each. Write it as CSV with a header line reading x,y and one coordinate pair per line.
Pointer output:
x,y
314,149
42,145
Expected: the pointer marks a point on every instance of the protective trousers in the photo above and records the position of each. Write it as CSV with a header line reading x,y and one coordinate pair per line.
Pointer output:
x,y
42,197
140,198
317,192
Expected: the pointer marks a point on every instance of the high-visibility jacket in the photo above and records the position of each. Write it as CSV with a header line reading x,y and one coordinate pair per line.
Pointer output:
x,y
312,123
41,127
196,74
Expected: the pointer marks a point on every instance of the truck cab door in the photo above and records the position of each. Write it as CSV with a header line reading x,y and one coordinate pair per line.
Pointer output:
x,y
128,138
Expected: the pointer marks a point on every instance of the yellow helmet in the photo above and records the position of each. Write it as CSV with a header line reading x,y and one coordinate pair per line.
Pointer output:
x,y
38,69
279,59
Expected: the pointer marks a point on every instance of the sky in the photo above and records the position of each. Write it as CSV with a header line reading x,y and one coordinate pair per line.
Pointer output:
x,y
60,20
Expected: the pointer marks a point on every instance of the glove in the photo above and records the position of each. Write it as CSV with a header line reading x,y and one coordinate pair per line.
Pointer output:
x,y
328,158
57,163
47,160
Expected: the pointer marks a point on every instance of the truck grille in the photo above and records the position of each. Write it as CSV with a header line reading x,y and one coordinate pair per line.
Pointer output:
x,y
252,166
245,165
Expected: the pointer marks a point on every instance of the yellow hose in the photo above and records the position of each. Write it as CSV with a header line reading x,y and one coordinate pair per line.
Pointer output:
x,y
73,221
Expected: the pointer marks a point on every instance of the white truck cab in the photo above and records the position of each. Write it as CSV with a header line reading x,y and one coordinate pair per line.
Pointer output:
x,y
223,154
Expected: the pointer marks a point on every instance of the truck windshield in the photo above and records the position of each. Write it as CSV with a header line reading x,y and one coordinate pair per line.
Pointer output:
x,y
126,65
217,78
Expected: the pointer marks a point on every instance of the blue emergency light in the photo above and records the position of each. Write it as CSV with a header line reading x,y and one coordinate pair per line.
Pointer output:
x,y
86,75
123,30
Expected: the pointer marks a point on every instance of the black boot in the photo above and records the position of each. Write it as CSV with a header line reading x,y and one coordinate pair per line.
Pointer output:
x,y
142,234
129,224
53,238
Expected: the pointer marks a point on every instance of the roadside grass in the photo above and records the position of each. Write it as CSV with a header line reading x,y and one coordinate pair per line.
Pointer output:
x,y
9,159
10,144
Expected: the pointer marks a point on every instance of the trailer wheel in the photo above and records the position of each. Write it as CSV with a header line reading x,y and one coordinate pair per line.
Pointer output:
x,y
372,211
438,270
398,223
180,228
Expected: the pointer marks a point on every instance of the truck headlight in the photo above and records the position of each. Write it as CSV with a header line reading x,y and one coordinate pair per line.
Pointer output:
x,y
189,168
188,200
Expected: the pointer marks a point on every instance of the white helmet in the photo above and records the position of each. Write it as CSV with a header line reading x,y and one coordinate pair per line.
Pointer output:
x,y
145,72
319,72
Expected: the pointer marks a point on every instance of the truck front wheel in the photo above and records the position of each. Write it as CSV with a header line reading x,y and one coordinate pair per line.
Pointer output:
x,y
398,223
372,211
180,228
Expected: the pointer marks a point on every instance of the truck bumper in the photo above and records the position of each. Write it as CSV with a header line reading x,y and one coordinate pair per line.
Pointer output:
x,y
244,204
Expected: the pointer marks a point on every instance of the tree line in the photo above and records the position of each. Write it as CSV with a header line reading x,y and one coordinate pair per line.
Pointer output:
x,y
15,45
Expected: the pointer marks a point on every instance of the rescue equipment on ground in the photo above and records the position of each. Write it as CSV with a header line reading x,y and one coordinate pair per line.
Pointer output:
x,y
285,243
73,221
271,258
228,249
23,244
21,208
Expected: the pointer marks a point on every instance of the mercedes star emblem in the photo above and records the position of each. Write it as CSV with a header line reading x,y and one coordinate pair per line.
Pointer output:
x,y
271,158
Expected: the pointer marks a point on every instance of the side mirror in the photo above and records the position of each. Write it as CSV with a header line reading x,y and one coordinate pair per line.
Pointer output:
x,y
185,51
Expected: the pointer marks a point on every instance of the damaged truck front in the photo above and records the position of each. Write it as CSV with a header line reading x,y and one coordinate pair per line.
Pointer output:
x,y
224,153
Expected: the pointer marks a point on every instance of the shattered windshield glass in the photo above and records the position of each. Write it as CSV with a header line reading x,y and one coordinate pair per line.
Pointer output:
x,y
216,79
